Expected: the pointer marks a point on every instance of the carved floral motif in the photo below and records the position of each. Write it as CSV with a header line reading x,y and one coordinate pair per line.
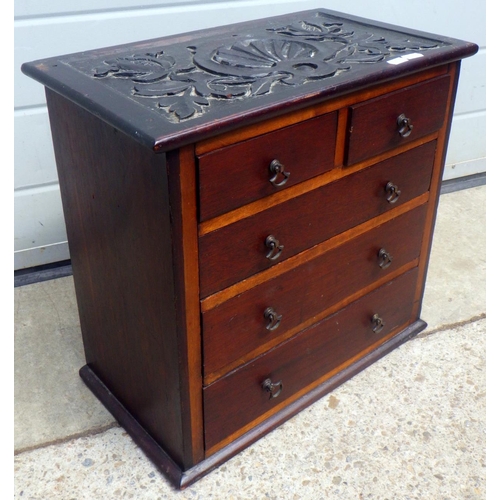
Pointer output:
x,y
186,85
145,68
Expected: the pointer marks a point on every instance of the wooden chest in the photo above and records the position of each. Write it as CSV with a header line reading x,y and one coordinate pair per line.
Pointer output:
x,y
249,211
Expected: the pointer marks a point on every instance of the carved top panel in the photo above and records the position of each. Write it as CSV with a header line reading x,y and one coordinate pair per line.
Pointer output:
x,y
243,68
186,82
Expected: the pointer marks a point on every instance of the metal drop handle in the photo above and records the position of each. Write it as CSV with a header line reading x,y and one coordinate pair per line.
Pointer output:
x,y
274,247
393,192
404,125
277,170
273,388
273,319
377,323
384,258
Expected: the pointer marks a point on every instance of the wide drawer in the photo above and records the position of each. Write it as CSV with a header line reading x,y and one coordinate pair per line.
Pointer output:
x,y
239,250
238,399
378,125
266,312
235,175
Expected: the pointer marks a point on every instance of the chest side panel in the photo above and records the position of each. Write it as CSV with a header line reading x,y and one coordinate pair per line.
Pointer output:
x,y
116,207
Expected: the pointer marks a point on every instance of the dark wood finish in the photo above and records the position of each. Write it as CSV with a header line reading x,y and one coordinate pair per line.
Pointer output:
x,y
238,326
312,393
220,297
181,171
437,179
182,479
150,91
165,463
238,398
339,103
238,250
239,174
167,241
110,187
377,119
335,174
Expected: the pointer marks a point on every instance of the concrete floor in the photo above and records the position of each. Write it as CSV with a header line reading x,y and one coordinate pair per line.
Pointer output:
x,y
410,426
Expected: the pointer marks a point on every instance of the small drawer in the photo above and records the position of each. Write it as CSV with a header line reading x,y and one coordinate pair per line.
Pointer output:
x,y
257,242
239,398
388,121
239,174
266,312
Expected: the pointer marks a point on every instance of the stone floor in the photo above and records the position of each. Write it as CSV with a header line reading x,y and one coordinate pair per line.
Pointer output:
x,y
410,426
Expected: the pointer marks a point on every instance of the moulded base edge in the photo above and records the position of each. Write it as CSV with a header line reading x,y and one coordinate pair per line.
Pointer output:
x,y
183,478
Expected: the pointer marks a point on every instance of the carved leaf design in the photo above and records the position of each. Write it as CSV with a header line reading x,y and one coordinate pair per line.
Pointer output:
x,y
139,68
184,105
315,31
264,85
165,88
322,46
229,87
409,45
334,31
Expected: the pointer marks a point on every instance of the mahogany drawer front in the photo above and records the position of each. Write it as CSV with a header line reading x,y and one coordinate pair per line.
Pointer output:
x,y
239,174
239,250
239,398
240,325
373,126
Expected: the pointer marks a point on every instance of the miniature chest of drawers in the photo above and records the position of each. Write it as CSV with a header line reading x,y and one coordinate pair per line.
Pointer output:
x,y
249,211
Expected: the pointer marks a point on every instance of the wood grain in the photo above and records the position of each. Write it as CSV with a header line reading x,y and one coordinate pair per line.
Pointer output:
x,y
306,186
115,200
161,147
234,401
334,104
223,452
182,193
218,298
238,251
437,177
239,174
373,125
238,326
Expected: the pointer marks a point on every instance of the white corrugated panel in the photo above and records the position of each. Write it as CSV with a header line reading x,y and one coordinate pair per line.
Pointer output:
x,y
56,27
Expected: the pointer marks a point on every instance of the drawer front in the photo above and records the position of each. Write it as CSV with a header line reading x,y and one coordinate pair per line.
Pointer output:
x,y
239,398
375,125
239,250
259,167
245,322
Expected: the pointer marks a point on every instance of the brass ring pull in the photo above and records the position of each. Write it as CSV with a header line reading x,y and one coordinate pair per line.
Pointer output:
x,y
404,126
273,319
377,323
274,389
384,258
393,192
274,247
277,169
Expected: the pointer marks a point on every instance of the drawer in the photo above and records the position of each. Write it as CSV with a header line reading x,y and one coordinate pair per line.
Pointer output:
x,y
239,250
239,325
373,125
235,175
239,398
